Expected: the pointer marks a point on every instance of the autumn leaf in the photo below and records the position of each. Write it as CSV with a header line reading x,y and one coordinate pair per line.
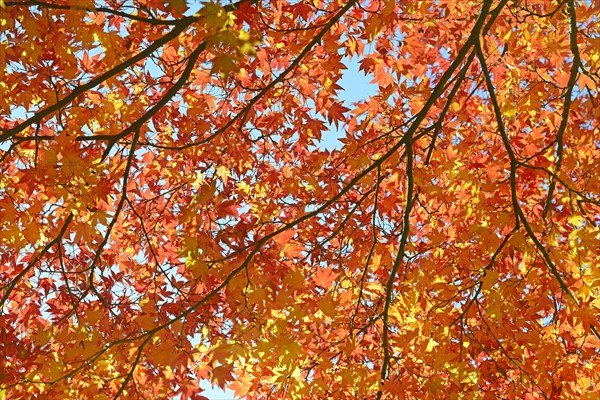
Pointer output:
x,y
299,200
179,6
324,277
335,113
220,375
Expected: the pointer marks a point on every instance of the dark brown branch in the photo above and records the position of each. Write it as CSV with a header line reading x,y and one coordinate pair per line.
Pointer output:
x,y
438,125
389,288
505,351
112,139
519,215
244,111
10,286
567,106
472,40
40,115
111,225
134,364
371,251
151,249
151,21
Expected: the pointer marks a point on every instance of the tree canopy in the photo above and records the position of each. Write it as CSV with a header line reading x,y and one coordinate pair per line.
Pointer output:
x,y
172,209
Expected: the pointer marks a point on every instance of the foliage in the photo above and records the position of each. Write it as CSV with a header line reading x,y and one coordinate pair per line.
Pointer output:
x,y
170,212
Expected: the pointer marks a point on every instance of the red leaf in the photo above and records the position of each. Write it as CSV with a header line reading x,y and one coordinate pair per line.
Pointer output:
x,y
324,277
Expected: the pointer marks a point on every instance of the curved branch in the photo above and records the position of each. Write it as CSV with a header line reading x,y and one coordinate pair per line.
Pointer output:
x,y
244,111
513,183
567,106
10,286
112,139
40,115
106,10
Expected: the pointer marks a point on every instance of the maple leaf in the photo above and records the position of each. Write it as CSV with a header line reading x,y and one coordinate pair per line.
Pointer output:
x,y
324,277
220,375
284,237
335,113
178,6
174,210
224,64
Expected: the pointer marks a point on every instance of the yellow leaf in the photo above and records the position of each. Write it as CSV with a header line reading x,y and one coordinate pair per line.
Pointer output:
x,y
490,279
510,111
244,187
206,193
197,267
168,371
576,220
214,16
431,345
225,64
